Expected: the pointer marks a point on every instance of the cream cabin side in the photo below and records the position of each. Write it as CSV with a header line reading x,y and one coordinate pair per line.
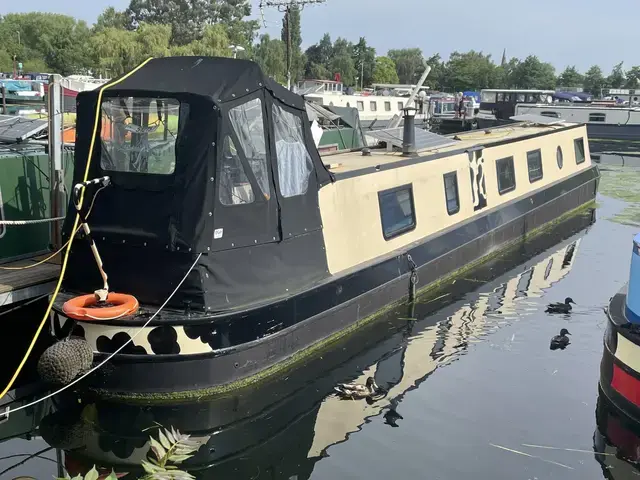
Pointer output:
x,y
351,207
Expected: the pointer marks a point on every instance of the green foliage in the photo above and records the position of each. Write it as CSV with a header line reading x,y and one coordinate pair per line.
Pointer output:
x,y
594,80
532,73
409,64
617,78
633,78
364,58
171,448
570,77
270,55
385,71
469,71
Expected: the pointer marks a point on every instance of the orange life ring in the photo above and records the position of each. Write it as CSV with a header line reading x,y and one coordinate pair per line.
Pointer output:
x,y
86,307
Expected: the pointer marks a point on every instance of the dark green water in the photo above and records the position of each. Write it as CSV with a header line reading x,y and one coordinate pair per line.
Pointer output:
x,y
480,394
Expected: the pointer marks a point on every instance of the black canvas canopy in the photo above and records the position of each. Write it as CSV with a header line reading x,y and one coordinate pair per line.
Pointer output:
x,y
205,155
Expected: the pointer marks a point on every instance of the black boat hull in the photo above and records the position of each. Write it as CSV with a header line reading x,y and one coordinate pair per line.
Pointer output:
x,y
349,301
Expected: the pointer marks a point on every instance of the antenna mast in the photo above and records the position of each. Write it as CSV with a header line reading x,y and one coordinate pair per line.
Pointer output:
x,y
285,6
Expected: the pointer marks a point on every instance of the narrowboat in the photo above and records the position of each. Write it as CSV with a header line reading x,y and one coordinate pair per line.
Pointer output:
x,y
620,366
230,249
253,427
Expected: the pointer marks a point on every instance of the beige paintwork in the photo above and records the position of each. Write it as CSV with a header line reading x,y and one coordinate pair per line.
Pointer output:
x,y
350,208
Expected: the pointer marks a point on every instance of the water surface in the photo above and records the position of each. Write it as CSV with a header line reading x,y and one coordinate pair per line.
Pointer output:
x,y
480,393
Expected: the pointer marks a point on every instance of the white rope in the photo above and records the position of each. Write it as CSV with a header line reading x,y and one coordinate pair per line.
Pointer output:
x,y
86,374
30,222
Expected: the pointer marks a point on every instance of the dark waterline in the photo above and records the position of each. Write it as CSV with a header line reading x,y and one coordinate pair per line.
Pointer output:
x,y
477,386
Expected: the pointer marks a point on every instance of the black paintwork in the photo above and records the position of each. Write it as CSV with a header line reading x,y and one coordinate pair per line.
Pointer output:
x,y
175,373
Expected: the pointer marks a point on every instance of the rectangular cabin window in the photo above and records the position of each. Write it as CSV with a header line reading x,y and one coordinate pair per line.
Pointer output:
x,y
488,97
500,97
597,117
294,161
550,114
396,211
578,144
387,106
451,192
534,162
506,175
139,134
373,106
248,124
360,106
400,105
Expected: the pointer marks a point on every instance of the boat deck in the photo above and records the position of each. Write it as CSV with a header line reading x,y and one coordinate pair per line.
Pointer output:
x,y
354,163
18,285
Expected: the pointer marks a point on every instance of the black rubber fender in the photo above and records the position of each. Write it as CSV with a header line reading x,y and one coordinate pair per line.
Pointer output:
x,y
65,360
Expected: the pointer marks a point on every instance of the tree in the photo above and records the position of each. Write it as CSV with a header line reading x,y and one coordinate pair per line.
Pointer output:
x,y
364,58
436,78
189,18
342,62
59,40
115,51
570,78
111,18
153,41
633,78
318,58
270,55
594,80
291,26
409,64
532,73
385,71
617,77
470,71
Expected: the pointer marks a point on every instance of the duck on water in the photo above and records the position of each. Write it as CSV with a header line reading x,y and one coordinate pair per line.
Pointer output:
x,y
560,341
219,185
559,307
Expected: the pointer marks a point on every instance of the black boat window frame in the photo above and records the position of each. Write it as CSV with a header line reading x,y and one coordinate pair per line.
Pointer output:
x,y
579,142
403,230
537,152
598,117
453,175
510,161
550,114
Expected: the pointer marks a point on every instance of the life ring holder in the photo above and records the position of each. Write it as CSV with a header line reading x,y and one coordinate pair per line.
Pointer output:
x,y
88,307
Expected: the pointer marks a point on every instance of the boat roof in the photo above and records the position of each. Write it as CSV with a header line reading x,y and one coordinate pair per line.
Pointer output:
x,y
516,90
215,79
355,164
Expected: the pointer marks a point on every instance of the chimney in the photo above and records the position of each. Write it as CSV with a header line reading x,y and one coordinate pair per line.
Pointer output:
x,y
409,136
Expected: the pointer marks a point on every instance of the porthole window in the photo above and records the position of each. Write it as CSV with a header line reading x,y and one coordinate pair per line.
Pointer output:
x,y
559,157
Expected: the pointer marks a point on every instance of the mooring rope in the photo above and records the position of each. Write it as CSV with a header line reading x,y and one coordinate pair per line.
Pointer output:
x,y
30,222
76,224
86,374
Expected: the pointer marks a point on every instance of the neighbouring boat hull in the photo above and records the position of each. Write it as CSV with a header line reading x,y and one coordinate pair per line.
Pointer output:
x,y
357,297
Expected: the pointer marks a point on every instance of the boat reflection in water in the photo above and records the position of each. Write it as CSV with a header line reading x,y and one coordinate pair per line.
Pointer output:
x,y
616,442
280,429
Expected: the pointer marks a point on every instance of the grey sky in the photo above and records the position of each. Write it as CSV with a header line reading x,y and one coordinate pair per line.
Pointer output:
x,y
563,32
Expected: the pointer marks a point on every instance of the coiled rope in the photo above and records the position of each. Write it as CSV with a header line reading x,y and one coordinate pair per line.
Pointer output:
x,y
75,227
86,374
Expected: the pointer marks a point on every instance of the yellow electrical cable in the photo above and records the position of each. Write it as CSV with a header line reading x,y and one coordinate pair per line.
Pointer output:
x,y
75,226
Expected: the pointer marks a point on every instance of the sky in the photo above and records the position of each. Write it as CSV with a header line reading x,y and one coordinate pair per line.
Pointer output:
x,y
563,32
